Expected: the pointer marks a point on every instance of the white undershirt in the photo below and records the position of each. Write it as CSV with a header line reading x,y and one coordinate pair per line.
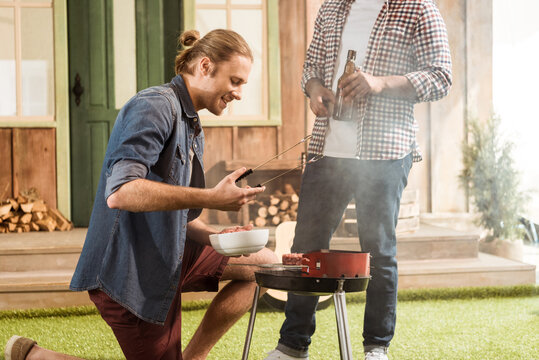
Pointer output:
x,y
341,136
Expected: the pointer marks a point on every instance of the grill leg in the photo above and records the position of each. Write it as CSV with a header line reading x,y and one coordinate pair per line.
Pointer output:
x,y
249,335
345,344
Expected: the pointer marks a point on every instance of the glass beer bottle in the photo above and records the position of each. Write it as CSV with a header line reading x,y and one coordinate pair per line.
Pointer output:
x,y
342,109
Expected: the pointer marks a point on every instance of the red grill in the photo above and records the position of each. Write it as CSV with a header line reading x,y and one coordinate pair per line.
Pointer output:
x,y
336,263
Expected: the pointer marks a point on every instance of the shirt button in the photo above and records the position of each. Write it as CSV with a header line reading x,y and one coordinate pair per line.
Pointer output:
x,y
195,146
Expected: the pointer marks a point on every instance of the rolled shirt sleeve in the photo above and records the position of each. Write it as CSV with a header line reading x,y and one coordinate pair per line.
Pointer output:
x,y
122,172
433,79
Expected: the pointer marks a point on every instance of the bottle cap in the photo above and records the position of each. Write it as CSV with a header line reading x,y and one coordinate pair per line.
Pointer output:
x,y
352,54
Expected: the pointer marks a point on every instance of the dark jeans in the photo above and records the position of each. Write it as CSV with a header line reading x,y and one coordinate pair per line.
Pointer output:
x,y
327,187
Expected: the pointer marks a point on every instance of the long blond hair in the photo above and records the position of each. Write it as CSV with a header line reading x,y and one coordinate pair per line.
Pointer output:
x,y
218,45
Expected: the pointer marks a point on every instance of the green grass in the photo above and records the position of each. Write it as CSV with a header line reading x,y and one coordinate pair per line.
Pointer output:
x,y
476,323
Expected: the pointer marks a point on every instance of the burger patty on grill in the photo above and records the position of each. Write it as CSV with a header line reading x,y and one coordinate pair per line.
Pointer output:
x,y
292,259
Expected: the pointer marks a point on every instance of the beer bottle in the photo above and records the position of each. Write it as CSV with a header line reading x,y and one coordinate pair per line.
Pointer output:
x,y
342,109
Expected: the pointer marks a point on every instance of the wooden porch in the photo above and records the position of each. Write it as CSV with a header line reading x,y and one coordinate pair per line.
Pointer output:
x,y
36,268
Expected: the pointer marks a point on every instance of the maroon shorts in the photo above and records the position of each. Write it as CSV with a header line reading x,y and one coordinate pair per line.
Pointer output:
x,y
202,268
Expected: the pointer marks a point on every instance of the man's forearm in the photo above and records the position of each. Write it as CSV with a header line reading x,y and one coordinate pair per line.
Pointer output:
x,y
146,195
398,87
312,83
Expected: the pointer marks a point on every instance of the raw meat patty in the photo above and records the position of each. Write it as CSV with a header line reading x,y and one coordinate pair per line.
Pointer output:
x,y
292,259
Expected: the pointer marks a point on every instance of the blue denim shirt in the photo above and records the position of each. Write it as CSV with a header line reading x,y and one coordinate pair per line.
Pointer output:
x,y
136,258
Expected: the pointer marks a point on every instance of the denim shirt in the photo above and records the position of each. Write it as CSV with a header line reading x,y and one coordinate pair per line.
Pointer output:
x,y
136,258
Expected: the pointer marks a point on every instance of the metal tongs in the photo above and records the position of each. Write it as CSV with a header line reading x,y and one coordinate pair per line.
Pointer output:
x,y
250,171
314,159
274,266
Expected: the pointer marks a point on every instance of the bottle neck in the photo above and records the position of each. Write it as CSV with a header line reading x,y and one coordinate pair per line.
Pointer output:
x,y
350,67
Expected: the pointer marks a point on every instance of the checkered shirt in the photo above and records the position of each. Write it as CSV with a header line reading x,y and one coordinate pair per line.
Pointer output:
x,y
409,38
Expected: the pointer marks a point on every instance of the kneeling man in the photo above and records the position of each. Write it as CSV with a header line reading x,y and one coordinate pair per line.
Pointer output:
x,y
145,245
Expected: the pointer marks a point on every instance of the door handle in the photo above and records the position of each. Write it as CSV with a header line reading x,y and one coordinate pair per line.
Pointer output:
x,y
77,90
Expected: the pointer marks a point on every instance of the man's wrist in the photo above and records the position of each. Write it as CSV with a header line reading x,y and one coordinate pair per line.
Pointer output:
x,y
311,84
207,198
380,85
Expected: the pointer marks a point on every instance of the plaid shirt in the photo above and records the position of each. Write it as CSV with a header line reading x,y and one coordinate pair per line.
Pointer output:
x,y
409,38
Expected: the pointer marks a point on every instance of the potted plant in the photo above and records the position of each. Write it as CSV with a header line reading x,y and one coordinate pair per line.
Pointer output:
x,y
492,182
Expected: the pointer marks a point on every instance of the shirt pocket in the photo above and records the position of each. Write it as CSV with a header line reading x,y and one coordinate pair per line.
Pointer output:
x,y
179,166
396,51
396,38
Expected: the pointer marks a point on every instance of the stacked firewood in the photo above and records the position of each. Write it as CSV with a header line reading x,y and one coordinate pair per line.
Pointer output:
x,y
27,212
274,209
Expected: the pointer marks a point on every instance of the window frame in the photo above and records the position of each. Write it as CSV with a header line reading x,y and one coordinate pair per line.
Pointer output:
x,y
19,120
272,116
60,117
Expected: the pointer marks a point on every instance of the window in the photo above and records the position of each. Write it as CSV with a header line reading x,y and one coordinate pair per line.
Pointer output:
x,y
27,90
257,21
125,47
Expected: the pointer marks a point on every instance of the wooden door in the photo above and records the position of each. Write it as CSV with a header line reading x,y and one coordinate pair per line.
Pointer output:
x,y
92,113
91,65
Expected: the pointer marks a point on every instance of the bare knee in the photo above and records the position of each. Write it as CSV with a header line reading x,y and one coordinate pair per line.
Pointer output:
x,y
267,256
234,271
264,256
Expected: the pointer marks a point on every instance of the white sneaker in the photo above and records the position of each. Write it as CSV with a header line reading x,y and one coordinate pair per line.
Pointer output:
x,y
376,354
279,355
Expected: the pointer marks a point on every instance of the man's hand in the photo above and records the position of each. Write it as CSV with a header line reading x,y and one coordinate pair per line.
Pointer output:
x,y
227,196
361,84
320,98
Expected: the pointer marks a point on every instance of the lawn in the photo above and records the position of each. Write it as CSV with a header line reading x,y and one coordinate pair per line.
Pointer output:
x,y
485,323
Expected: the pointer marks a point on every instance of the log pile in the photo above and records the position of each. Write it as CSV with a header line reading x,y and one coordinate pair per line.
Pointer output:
x,y
274,209
27,213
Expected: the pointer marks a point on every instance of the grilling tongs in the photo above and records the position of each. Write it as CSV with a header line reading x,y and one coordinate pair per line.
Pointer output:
x,y
250,171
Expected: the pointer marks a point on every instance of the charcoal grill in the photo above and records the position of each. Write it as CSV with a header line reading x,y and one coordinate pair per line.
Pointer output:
x,y
306,283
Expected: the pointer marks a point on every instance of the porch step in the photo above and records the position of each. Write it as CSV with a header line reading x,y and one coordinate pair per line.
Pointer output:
x,y
429,242
41,250
36,268
39,289
483,270
43,289
60,251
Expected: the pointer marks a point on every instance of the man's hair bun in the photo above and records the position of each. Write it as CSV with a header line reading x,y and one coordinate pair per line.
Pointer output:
x,y
189,38
218,45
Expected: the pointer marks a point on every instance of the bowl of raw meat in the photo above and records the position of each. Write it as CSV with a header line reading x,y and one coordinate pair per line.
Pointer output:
x,y
239,242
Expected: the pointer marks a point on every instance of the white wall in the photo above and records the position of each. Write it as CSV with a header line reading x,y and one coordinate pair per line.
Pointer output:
x,y
516,85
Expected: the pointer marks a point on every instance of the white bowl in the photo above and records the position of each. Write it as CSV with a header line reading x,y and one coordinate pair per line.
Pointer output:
x,y
241,242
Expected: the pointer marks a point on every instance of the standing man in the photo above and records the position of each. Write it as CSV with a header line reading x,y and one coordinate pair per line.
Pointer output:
x,y
145,245
404,58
